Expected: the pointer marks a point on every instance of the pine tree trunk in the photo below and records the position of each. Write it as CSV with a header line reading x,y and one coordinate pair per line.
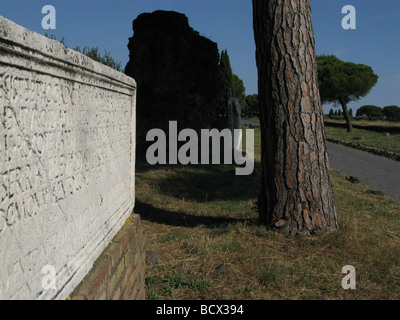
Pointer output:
x,y
296,190
347,116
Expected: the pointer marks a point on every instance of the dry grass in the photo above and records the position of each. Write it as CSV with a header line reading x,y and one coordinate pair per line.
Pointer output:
x,y
382,123
366,138
202,221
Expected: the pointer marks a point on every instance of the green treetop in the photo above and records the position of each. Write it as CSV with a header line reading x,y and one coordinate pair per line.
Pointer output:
x,y
343,82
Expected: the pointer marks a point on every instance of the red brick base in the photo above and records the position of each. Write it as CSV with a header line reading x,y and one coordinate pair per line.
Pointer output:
x,y
118,273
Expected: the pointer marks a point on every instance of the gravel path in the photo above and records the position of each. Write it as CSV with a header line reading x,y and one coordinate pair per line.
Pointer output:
x,y
378,173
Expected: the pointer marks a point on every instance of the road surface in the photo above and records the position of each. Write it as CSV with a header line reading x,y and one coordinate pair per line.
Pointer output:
x,y
378,173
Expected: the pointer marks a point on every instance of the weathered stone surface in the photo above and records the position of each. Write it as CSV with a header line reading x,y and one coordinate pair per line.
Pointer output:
x,y
176,70
67,163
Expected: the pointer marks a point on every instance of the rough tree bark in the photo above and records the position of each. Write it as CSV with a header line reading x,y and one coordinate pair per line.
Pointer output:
x,y
296,190
347,117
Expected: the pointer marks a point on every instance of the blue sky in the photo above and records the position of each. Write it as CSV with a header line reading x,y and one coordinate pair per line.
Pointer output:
x,y
108,25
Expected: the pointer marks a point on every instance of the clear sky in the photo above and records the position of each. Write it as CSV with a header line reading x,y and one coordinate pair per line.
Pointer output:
x,y
108,25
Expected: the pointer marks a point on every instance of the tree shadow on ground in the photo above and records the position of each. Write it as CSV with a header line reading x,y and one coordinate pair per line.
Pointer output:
x,y
209,183
202,183
196,184
149,213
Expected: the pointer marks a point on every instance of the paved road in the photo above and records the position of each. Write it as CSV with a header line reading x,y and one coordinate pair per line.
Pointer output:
x,y
378,173
250,123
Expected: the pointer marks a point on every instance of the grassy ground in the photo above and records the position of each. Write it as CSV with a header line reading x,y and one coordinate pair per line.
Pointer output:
x,y
369,122
202,221
367,138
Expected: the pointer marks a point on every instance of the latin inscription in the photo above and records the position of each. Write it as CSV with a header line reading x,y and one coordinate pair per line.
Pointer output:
x,y
56,143
60,143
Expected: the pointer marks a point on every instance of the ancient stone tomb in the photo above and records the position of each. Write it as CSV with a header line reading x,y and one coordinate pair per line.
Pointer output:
x,y
67,163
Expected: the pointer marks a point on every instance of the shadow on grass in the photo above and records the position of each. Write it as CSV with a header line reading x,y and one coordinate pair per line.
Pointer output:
x,y
205,183
149,213
200,184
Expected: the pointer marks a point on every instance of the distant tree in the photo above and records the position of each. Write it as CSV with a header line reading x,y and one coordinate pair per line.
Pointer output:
x,y
226,69
53,37
392,113
351,113
336,112
331,113
94,54
229,80
339,113
371,112
342,82
226,82
239,91
252,104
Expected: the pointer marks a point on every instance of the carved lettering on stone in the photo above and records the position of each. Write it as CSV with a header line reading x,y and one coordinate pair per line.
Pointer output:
x,y
66,162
